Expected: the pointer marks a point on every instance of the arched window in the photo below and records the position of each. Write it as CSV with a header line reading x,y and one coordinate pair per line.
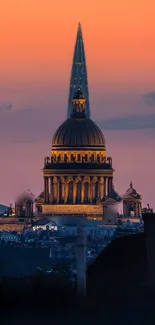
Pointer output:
x,y
79,157
86,192
86,157
70,192
78,192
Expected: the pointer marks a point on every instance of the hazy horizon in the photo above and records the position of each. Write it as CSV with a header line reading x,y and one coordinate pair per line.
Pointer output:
x,y
36,54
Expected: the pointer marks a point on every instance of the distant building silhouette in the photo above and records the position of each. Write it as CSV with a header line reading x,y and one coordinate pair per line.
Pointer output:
x,y
132,202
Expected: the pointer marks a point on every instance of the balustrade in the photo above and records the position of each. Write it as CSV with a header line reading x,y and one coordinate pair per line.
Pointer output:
x,y
80,159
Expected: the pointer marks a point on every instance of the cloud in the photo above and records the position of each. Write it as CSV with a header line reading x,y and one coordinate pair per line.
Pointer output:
x,y
31,122
5,107
26,141
149,98
129,123
29,125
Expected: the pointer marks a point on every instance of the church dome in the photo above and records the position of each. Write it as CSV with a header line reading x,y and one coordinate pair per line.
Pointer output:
x,y
78,132
131,190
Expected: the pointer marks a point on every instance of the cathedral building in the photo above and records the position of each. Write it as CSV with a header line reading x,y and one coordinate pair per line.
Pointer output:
x,y
78,175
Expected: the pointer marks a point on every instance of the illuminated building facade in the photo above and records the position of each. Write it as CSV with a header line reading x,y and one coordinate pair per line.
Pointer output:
x,y
78,175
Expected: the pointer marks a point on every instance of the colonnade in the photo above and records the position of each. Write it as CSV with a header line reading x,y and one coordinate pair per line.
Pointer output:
x,y
76,190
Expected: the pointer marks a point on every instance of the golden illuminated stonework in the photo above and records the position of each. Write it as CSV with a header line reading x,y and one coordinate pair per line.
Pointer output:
x,y
78,175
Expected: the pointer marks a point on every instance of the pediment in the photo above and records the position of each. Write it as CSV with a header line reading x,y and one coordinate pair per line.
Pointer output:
x,y
39,200
109,199
130,197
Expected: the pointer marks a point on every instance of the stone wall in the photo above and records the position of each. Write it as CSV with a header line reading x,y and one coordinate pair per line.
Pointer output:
x,y
12,227
72,209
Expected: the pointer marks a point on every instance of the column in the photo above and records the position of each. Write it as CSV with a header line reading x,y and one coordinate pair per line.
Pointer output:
x,y
91,191
46,189
140,208
105,186
58,194
74,192
137,209
109,184
65,192
101,189
124,209
51,189
55,190
82,191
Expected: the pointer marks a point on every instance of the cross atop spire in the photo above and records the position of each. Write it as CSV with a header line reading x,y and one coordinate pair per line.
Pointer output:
x,y
79,72
79,28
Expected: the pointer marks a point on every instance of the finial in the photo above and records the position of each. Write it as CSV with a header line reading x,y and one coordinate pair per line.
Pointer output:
x,y
130,184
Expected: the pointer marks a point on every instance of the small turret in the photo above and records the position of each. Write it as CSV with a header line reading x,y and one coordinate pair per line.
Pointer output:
x,y
78,104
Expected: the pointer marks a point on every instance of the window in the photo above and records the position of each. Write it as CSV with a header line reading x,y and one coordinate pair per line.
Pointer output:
x,y
60,191
65,158
59,158
70,192
92,157
98,158
72,157
78,157
86,190
86,157
78,192
96,190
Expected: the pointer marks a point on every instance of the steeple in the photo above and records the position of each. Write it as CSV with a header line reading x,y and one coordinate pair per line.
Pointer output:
x,y
79,73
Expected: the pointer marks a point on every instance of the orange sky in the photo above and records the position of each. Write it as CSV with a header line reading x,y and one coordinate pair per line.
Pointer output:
x,y
37,39
36,48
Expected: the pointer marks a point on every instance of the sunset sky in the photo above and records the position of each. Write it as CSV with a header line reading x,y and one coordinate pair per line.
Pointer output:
x,y
36,49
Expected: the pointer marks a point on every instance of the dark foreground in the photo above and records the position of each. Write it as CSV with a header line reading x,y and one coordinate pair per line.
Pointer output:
x,y
118,292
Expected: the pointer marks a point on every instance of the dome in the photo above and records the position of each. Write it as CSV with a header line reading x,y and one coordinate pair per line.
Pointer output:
x,y
131,190
77,132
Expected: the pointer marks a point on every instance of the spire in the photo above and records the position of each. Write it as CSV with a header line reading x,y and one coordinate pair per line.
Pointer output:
x,y
131,186
78,73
